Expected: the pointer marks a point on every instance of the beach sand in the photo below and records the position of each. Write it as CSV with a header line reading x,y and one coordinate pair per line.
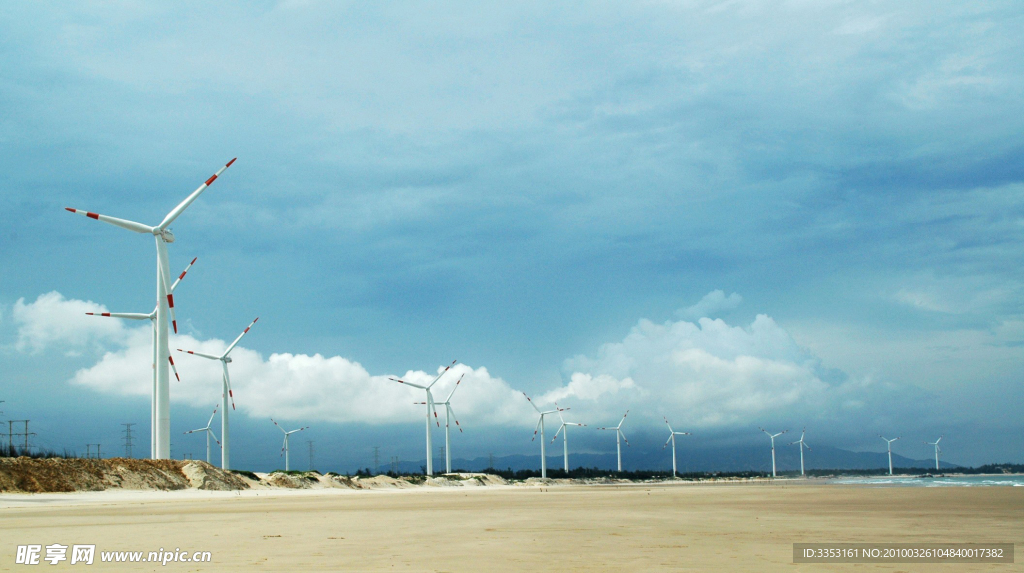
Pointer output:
x,y
514,528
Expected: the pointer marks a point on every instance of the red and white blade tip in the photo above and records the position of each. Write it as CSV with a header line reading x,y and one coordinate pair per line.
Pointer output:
x,y
89,214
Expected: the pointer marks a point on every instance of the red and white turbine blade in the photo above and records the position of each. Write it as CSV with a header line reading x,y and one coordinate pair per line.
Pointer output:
x,y
210,356
560,428
452,412
188,200
212,415
457,382
623,437
129,315
537,428
446,369
165,277
400,381
532,404
227,382
171,360
279,428
123,223
667,441
182,275
230,348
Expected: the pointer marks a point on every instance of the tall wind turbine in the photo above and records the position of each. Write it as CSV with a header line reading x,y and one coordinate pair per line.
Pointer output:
x,y
165,305
888,443
226,395
619,436
672,438
449,415
937,450
564,429
802,446
540,426
430,407
152,319
773,436
284,448
209,432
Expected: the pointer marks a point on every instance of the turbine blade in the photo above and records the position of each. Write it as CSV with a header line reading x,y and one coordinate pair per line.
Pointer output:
x,y
452,412
667,441
667,424
210,356
446,368
278,426
123,223
532,404
128,315
537,428
457,382
171,360
623,437
188,200
182,275
230,348
212,415
165,277
400,381
227,381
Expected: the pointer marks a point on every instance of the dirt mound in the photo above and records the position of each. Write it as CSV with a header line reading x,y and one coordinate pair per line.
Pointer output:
x,y
67,475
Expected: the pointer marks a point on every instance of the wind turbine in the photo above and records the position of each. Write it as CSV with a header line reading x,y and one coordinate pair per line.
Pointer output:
x,y
889,442
543,447
284,448
448,417
430,407
226,395
937,450
152,319
564,429
619,435
165,305
773,436
209,432
672,438
802,446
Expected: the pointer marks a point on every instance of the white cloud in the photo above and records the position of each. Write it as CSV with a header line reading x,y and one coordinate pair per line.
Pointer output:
x,y
704,374
713,303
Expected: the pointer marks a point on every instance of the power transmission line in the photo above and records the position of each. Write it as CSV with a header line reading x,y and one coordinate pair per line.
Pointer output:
x,y
128,440
376,460
312,466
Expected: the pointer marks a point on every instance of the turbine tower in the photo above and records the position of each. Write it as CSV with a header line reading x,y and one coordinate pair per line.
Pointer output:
x,y
165,306
226,395
209,432
449,415
284,448
802,446
672,438
619,438
888,443
564,429
152,319
773,436
540,426
430,407
937,450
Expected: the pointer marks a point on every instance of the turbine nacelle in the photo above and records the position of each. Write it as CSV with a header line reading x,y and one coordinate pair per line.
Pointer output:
x,y
227,359
165,234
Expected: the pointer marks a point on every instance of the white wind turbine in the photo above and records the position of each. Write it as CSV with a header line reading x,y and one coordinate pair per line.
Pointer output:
x,y
672,438
543,444
888,443
773,436
209,432
937,450
284,448
430,407
449,415
165,305
619,438
802,446
152,319
226,395
564,429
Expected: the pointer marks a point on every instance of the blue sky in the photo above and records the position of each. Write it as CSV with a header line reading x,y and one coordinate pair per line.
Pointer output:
x,y
553,195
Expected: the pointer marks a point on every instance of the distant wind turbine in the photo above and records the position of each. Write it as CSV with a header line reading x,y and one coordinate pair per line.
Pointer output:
x,y
209,432
619,436
449,416
672,438
226,395
888,443
773,436
165,306
937,450
430,408
565,435
802,446
284,448
540,426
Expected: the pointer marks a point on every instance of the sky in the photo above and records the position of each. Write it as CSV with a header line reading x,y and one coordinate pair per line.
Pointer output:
x,y
729,214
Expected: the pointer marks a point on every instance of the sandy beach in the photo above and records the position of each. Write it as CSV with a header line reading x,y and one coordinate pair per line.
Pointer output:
x,y
513,528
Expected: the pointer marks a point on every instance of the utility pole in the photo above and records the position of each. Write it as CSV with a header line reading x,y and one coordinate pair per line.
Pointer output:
x,y
312,466
11,433
87,450
394,465
490,460
376,460
128,440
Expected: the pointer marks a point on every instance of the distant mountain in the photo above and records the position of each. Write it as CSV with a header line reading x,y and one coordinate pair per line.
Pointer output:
x,y
741,458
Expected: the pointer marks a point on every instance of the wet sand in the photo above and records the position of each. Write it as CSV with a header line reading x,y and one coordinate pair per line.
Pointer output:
x,y
567,528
